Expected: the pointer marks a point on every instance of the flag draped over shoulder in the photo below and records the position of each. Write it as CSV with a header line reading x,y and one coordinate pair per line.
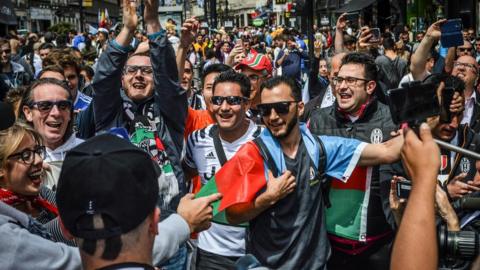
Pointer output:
x,y
246,173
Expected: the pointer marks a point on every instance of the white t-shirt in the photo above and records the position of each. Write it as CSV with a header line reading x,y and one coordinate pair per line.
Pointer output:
x,y
201,155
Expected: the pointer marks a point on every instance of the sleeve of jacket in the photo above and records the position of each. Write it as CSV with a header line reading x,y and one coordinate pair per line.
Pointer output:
x,y
22,250
172,233
107,84
170,97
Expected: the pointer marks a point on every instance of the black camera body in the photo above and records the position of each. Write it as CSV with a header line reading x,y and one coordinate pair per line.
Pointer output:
x,y
461,245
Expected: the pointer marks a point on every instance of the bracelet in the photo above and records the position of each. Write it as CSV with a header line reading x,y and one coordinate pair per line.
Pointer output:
x,y
154,36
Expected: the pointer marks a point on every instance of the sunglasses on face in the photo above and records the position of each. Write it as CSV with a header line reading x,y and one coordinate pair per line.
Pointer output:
x,y
145,70
465,49
279,107
231,100
28,155
47,105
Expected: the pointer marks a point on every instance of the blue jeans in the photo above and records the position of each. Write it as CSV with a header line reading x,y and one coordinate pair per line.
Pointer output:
x,y
178,261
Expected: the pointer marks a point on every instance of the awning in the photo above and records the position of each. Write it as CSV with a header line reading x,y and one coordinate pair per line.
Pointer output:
x,y
7,13
355,5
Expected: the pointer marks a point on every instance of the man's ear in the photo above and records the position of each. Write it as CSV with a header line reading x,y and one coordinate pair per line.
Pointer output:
x,y
371,85
301,107
64,230
155,218
27,112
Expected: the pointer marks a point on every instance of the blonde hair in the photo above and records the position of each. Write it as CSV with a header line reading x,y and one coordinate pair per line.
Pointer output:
x,y
11,138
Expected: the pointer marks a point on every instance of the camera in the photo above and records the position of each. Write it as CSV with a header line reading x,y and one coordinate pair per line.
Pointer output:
x,y
464,245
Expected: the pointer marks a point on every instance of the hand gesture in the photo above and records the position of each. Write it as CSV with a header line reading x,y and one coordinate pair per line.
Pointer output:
x,y
458,104
420,156
130,19
279,188
457,188
189,32
434,29
363,42
342,22
198,213
150,13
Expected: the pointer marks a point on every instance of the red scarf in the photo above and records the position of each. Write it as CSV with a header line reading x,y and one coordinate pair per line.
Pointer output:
x,y
12,198
361,112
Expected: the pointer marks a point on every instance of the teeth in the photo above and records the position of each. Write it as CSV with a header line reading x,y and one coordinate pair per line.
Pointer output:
x,y
36,174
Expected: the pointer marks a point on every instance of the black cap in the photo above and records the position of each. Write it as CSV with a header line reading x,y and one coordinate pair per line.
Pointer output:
x,y
7,117
110,176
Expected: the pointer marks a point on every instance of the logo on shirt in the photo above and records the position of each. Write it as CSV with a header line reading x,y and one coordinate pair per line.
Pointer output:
x,y
313,181
443,162
376,136
210,156
465,165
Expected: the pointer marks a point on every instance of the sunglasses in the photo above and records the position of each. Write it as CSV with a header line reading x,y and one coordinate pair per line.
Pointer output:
x,y
465,49
231,100
47,105
279,107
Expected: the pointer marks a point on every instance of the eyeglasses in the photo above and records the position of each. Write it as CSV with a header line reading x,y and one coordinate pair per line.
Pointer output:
x,y
47,105
231,100
350,81
28,155
465,65
145,70
465,49
279,107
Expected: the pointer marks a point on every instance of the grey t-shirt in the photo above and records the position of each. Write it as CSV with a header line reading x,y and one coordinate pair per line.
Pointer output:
x,y
391,71
292,234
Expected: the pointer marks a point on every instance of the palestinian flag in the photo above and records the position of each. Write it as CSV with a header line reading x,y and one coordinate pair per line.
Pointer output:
x,y
347,217
239,180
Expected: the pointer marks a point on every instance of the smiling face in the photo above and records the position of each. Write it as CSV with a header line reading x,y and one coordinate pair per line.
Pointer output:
x,y
229,117
323,68
187,76
138,85
51,124
22,178
281,124
350,97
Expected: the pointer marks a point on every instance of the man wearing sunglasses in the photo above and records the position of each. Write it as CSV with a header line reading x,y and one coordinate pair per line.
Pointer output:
x,y
286,216
357,114
465,49
466,69
208,149
48,107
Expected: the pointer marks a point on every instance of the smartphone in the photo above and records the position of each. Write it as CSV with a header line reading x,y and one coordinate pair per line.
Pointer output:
x,y
413,103
452,33
375,32
403,188
239,42
352,17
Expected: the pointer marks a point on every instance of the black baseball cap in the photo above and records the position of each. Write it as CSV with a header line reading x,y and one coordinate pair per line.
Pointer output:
x,y
106,175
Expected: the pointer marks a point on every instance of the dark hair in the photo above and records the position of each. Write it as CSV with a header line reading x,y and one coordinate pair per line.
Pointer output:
x,y
234,77
27,100
52,68
370,68
46,46
89,70
295,90
63,58
388,43
214,68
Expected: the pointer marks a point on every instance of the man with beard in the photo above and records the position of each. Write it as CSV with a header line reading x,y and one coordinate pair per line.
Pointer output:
x,y
286,210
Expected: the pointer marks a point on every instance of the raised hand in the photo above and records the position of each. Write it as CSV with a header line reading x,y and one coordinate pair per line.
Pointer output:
x,y
278,188
457,188
434,29
150,15
341,22
189,32
130,19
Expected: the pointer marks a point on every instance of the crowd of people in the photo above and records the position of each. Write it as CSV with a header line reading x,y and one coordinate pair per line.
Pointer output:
x,y
181,147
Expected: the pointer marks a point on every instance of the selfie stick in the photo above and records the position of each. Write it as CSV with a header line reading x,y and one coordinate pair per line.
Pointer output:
x,y
457,149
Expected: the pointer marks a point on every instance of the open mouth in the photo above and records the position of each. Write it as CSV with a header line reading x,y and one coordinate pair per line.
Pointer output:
x,y
36,177
345,96
225,116
54,124
140,86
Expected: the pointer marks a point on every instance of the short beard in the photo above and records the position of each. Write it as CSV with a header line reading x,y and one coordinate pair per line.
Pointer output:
x,y
290,127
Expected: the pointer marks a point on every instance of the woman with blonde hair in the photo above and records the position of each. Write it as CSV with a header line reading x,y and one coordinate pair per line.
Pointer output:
x,y
22,172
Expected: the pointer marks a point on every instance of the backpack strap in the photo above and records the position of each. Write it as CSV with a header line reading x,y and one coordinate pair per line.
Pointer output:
x,y
218,145
267,157
326,182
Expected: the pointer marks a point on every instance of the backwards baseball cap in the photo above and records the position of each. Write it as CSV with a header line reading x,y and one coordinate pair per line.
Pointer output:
x,y
106,175
258,62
